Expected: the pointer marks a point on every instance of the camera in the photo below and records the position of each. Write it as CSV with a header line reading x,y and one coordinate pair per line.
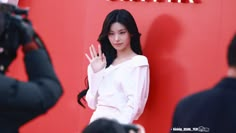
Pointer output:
x,y
11,14
15,30
12,20
12,9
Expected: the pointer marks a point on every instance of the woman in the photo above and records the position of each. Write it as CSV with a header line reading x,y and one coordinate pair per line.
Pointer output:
x,y
118,73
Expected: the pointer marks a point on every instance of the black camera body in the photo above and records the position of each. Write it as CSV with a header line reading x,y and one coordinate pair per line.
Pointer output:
x,y
12,9
15,30
10,16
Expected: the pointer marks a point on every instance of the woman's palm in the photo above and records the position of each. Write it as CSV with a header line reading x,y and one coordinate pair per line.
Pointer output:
x,y
97,60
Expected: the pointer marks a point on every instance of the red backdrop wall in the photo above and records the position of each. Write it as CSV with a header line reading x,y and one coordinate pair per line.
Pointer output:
x,y
185,45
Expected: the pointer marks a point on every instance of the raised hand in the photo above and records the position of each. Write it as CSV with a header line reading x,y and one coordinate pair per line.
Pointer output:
x,y
97,60
24,27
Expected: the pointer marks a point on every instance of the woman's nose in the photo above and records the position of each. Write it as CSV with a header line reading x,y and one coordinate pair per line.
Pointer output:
x,y
117,37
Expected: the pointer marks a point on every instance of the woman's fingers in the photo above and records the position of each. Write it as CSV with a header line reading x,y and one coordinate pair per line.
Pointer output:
x,y
91,52
94,54
99,51
94,51
88,57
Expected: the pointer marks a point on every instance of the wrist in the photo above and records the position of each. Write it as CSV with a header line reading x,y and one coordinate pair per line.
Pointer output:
x,y
30,47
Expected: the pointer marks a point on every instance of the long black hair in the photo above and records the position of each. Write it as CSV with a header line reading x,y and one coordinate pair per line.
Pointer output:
x,y
125,18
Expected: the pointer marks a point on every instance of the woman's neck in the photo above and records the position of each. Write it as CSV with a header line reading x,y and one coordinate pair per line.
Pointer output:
x,y
125,55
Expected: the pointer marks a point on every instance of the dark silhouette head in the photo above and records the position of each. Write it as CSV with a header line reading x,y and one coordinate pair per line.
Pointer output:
x,y
104,125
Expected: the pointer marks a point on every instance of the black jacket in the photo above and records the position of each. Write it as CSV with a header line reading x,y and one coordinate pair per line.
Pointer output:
x,y
20,102
212,111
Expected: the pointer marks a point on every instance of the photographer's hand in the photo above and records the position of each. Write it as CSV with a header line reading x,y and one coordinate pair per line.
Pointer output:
x,y
26,30
26,33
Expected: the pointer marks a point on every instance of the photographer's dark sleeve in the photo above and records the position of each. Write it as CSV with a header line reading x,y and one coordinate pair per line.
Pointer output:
x,y
40,93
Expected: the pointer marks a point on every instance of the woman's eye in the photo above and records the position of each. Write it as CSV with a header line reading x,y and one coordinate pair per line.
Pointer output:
x,y
110,34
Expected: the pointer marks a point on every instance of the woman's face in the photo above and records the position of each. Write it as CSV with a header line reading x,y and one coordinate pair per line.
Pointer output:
x,y
119,37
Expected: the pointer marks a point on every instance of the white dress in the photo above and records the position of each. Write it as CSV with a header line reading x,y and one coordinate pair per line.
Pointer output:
x,y
119,92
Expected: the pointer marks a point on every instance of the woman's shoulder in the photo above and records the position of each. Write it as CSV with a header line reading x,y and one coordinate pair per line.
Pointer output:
x,y
139,60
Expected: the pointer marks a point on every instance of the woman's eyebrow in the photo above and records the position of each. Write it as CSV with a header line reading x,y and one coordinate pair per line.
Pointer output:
x,y
110,31
123,30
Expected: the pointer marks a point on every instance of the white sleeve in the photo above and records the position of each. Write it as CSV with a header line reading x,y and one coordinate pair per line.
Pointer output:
x,y
94,80
136,87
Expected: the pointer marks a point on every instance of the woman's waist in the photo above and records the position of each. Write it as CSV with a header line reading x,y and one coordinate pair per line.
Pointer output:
x,y
113,101
108,108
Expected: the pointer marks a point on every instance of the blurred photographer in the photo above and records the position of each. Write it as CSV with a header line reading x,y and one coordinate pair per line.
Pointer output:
x,y
21,101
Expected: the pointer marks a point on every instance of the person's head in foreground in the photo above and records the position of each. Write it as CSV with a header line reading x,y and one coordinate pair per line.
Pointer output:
x,y
104,125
